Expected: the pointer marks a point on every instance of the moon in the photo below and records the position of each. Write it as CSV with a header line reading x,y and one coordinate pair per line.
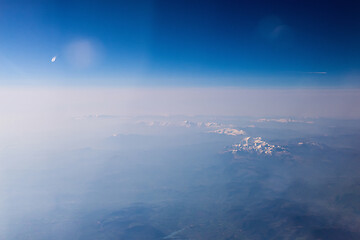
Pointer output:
x,y
53,59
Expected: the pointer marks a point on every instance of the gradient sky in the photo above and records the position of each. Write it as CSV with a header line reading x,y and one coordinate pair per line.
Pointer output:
x,y
180,43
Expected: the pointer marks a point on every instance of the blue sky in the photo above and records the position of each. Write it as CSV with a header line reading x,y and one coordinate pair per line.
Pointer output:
x,y
180,43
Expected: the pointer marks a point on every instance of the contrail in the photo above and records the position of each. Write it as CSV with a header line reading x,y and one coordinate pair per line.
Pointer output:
x,y
317,72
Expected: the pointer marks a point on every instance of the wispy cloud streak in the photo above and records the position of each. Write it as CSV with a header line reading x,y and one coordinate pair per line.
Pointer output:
x,y
316,72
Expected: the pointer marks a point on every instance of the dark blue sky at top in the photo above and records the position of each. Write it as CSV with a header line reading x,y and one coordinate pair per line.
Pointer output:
x,y
170,42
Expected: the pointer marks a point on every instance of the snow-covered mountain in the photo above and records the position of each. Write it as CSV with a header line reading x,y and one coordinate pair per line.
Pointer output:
x,y
255,145
185,123
229,131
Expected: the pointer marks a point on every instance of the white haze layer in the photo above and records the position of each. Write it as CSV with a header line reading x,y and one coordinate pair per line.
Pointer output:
x,y
42,130
36,115
186,101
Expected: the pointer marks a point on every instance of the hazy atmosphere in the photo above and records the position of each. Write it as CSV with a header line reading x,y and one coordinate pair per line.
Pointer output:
x,y
150,120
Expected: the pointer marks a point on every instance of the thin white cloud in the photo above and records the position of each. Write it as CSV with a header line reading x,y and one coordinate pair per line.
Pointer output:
x,y
94,116
316,72
283,120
